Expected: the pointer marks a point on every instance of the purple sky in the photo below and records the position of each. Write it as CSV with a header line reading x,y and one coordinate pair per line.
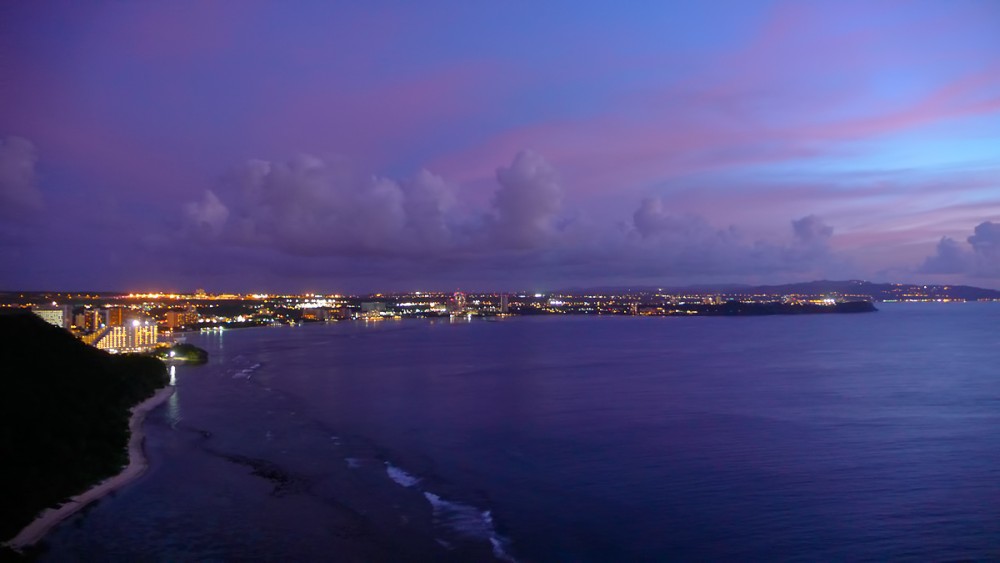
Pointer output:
x,y
317,146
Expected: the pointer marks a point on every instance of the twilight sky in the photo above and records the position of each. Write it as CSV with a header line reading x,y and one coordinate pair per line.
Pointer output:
x,y
322,146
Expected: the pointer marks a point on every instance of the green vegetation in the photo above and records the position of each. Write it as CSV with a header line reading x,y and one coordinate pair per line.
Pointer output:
x,y
64,412
188,353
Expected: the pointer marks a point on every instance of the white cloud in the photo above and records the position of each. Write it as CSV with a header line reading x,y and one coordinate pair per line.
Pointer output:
x,y
207,216
682,245
309,206
313,206
527,202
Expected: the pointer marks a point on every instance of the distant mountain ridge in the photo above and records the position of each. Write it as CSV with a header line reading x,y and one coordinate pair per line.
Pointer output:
x,y
878,291
858,288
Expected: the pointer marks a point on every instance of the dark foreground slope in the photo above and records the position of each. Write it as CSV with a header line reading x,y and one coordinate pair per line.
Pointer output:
x,y
64,412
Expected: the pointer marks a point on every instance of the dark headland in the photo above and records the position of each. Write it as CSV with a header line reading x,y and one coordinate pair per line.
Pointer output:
x,y
64,415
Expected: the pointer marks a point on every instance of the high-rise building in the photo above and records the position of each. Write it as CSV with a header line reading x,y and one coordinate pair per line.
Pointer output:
x,y
116,316
504,303
93,319
61,317
175,319
88,320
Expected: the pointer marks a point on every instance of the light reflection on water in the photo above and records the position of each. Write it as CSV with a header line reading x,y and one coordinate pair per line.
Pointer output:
x,y
174,409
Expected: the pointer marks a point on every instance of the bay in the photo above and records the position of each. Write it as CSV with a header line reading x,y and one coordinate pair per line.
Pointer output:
x,y
847,437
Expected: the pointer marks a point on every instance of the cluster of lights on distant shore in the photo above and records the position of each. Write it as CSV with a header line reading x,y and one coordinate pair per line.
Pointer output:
x,y
137,321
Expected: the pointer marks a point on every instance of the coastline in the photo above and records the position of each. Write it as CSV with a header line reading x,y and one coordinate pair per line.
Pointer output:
x,y
137,465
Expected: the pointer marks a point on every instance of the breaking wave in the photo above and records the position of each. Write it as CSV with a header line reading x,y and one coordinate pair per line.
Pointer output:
x,y
246,372
468,521
401,477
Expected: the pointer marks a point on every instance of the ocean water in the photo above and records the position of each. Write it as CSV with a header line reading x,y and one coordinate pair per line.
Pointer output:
x,y
840,437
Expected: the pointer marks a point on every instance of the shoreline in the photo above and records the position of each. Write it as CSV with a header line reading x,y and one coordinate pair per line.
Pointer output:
x,y
137,465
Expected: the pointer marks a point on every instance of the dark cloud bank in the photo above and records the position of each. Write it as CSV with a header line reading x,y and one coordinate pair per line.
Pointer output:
x,y
979,255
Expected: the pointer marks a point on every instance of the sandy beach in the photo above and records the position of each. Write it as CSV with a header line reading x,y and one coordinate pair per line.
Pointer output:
x,y
137,465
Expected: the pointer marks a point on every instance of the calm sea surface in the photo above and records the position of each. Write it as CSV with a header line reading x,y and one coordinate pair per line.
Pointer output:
x,y
840,437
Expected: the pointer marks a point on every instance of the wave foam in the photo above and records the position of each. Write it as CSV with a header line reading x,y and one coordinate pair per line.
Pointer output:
x,y
401,477
246,372
468,521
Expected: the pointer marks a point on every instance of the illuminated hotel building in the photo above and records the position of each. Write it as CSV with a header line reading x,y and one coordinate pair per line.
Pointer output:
x,y
58,316
134,337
